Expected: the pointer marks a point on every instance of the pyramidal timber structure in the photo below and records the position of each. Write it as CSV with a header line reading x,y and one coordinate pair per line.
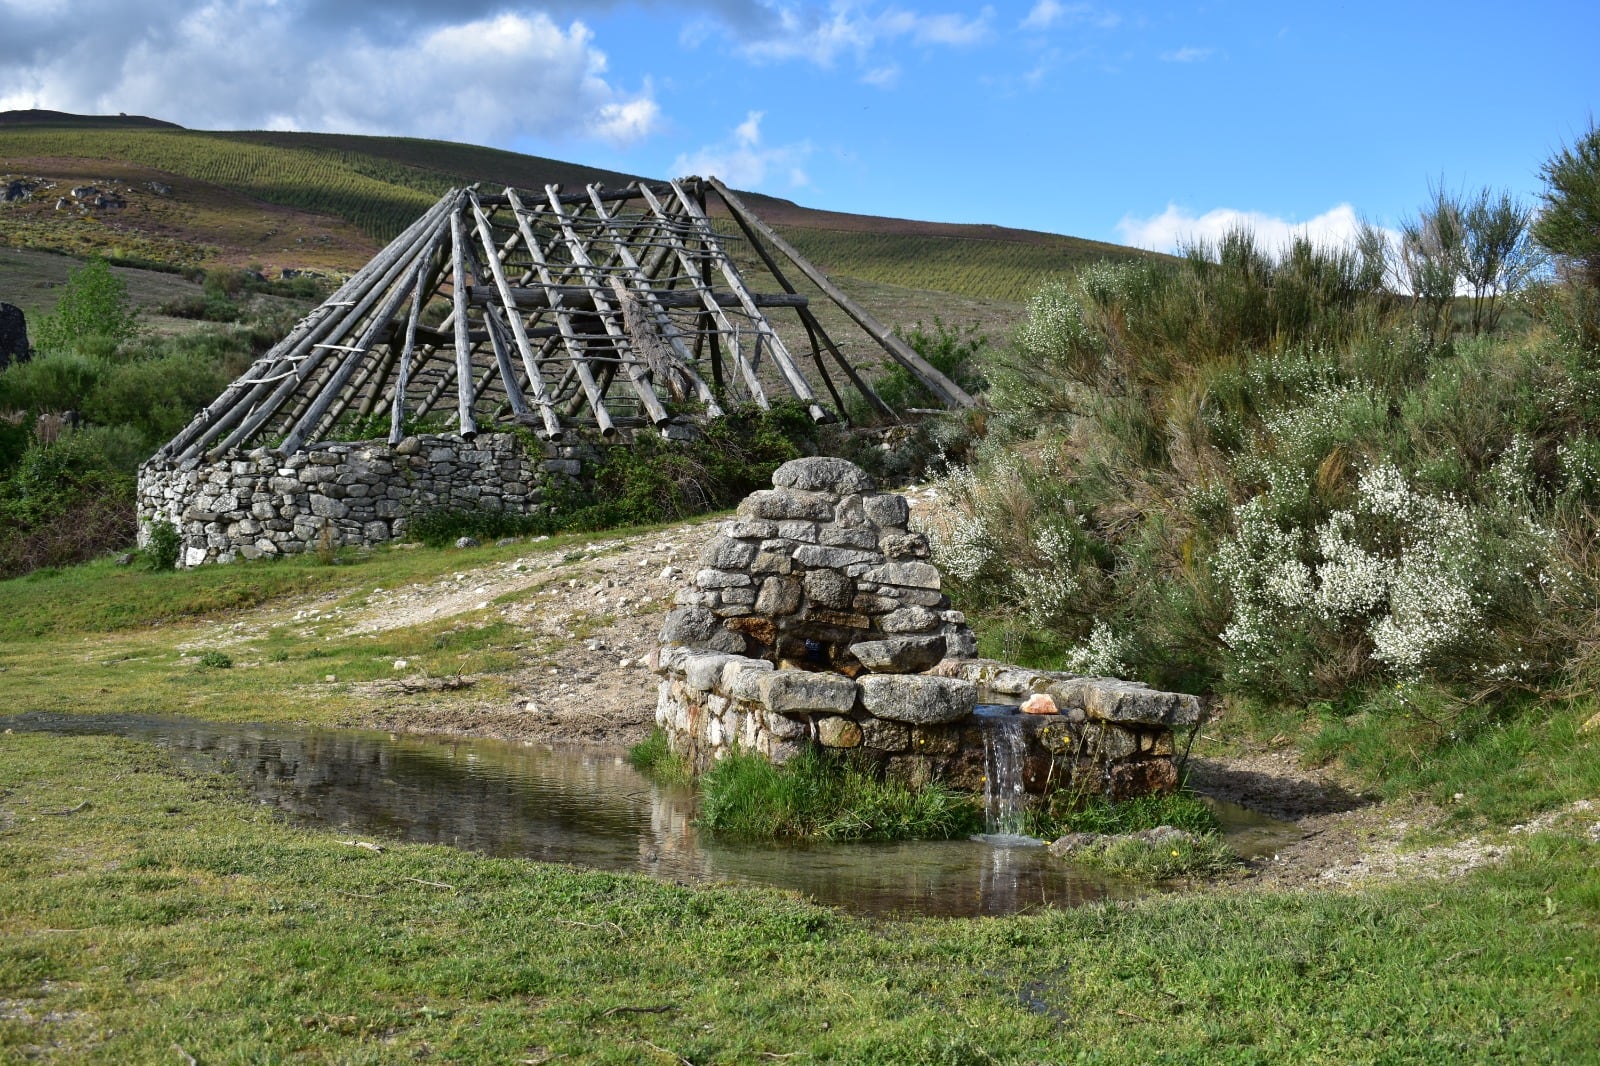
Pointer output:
x,y
574,316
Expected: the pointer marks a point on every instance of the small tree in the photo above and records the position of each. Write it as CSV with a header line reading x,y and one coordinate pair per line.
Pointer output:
x,y
1433,256
1569,223
1499,253
94,303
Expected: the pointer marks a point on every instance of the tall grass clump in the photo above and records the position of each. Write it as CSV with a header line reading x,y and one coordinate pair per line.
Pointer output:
x,y
827,797
1270,478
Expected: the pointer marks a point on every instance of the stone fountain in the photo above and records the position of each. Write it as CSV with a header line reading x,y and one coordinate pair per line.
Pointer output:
x,y
817,619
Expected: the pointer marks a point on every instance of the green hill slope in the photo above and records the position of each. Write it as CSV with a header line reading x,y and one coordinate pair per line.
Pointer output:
x,y
378,184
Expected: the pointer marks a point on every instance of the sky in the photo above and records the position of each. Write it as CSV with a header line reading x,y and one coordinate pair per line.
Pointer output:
x,y
1145,124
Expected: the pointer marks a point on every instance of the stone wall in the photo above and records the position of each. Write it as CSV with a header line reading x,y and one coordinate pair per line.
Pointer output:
x,y
256,504
816,619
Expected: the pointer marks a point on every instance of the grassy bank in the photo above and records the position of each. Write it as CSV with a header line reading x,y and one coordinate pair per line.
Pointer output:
x,y
165,916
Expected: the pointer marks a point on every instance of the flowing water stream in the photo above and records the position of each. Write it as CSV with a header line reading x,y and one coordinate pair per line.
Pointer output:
x,y
588,807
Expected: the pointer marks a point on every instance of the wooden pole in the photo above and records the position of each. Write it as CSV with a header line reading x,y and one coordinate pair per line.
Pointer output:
x,y
458,282
952,394
707,298
608,317
530,363
580,365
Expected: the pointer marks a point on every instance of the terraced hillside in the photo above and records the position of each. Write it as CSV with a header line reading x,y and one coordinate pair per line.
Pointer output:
x,y
326,201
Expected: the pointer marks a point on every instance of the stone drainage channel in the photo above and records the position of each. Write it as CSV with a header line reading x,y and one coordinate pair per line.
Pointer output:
x,y
588,807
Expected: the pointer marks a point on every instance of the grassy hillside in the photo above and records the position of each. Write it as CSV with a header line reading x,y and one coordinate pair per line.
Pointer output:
x,y
326,201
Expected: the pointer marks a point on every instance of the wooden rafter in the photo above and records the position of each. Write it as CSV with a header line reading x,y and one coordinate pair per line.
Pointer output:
x,y
609,307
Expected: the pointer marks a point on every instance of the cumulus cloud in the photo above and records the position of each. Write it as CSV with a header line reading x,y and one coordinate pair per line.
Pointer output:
x,y
1175,227
744,161
476,73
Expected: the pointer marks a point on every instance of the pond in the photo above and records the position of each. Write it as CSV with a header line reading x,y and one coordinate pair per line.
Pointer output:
x,y
589,807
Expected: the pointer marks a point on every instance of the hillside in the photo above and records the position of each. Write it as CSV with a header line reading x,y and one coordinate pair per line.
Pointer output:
x,y
327,201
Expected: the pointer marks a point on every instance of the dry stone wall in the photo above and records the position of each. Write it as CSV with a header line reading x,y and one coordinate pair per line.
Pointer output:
x,y
257,504
815,619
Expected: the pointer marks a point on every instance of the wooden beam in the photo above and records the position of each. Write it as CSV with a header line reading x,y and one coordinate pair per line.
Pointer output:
x,y
530,363
953,395
780,351
563,318
608,317
707,298
458,283
582,297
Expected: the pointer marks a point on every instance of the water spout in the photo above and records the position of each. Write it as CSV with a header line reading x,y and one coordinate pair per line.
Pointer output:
x,y
1003,797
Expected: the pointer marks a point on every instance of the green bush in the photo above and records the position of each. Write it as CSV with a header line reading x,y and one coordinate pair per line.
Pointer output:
x,y
657,480
94,303
163,545
1259,476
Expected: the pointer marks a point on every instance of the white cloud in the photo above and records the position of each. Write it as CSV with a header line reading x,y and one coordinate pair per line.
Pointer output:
x,y
1048,13
314,65
1187,54
810,34
743,161
882,77
1175,227
748,132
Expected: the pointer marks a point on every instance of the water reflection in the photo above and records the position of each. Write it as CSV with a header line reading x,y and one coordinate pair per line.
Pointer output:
x,y
583,806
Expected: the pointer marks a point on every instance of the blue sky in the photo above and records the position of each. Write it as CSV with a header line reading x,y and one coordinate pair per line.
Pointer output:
x,y
1135,123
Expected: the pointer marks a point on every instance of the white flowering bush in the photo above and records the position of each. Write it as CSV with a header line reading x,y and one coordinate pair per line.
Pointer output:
x,y
1411,580
1102,655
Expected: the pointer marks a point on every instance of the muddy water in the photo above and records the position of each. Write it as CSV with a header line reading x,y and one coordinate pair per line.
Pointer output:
x,y
590,808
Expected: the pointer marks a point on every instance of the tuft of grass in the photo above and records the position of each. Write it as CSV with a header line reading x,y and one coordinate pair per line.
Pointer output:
x,y
654,757
826,797
1069,813
1142,858
216,660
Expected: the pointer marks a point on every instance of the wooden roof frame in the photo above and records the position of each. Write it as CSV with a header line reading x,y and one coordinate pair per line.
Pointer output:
x,y
588,309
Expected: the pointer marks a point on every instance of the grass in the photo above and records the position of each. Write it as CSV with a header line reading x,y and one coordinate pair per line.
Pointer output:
x,y
166,911
1139,858
654,757
103,637
827,797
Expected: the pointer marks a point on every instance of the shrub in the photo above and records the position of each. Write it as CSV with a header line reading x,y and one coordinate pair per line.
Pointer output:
x,y
163,545
93,303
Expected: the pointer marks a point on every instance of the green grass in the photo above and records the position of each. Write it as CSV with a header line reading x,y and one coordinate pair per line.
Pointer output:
x,y
654,757
818,795
168,916
1151,861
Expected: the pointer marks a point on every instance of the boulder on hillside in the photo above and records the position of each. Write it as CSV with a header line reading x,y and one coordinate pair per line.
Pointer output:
x,y
14,346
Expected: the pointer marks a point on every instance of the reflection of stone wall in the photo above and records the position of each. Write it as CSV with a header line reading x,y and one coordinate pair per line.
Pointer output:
x,y
260,504
817,620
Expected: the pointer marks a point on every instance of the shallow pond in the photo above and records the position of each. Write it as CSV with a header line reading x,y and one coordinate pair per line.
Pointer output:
x,y
589,807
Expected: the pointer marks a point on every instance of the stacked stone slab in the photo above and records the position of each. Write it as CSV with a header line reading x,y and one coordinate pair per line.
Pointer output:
x,y
820,572
817,619
256,504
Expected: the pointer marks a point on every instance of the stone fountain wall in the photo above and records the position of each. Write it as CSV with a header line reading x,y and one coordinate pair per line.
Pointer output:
x,y
816,619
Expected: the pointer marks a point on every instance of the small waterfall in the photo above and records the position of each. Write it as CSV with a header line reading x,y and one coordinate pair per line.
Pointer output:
x,y
1003,747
